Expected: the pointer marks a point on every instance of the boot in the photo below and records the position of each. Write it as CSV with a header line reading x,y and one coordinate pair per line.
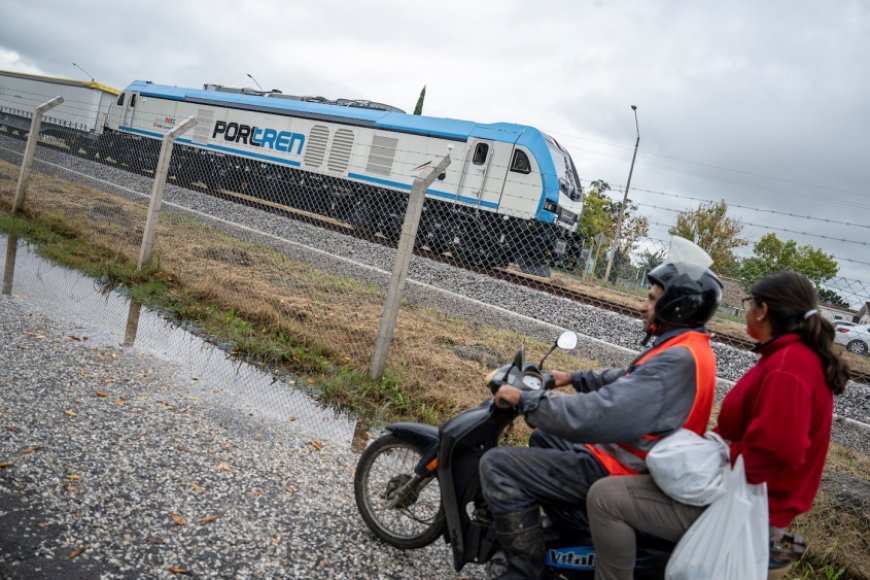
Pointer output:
x,y
522,539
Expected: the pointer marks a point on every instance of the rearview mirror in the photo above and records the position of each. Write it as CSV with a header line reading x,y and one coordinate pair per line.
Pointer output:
x,y
567,340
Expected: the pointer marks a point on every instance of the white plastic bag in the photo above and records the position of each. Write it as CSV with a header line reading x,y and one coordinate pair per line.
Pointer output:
x,y
730,539
689,468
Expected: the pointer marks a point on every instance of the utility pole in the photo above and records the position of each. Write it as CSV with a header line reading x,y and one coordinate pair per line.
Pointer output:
x,y
616,236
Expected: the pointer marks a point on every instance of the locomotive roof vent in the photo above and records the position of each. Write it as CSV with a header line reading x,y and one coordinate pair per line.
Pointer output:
x,y
277,94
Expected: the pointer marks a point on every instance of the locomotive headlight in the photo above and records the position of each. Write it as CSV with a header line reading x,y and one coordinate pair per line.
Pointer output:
x,y
550,206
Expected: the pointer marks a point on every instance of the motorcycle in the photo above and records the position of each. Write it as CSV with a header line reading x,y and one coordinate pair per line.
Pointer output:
x,y
419,482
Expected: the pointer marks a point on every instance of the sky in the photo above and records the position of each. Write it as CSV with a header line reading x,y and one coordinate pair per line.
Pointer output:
x,y
763,104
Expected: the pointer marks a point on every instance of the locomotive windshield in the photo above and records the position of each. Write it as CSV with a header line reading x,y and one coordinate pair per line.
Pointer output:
x,y
569,180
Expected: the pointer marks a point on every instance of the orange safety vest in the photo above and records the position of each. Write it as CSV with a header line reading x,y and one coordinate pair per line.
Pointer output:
x,y
629,458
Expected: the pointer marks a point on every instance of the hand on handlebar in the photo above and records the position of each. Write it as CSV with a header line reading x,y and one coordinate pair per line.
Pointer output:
x,y
562,378
507,396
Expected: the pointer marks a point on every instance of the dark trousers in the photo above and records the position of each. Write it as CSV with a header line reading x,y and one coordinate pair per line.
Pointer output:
x,y
551,472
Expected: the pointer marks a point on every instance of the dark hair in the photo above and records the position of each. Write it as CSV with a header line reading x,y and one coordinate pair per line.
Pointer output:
x,y
789,296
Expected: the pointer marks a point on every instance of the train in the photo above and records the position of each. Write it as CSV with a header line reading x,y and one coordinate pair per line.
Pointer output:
x,y
511,195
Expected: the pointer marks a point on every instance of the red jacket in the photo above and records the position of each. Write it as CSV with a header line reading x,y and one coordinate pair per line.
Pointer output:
x,y
778,416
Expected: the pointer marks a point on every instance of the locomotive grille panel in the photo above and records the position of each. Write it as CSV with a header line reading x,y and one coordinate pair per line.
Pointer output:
x,y
203,126
339,156
382,155
316,149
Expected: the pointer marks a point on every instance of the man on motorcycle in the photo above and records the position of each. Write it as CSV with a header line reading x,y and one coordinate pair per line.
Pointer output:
x,y
609,424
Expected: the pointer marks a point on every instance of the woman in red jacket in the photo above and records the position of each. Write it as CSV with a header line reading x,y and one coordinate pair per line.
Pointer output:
x,y
778,417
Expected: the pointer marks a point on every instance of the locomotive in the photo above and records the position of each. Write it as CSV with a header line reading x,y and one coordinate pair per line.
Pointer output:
x,y
511,194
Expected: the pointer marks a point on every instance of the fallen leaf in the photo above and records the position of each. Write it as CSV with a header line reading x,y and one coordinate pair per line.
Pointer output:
x,y
179,570
276,539
28,450
73,476
76,553
316,444
182,448
72,488
180,520
291,418
40,337
196,487
74,337
102,394
70,413
208,519
120,402
224,467
114,355
290,489
5,464
107,381
344,360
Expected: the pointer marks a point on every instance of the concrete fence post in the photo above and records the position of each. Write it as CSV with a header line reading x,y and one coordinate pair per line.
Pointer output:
x,y
30,151
9,268
403,261
157,190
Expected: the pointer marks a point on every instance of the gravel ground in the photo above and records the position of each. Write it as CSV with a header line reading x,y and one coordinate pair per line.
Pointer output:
x,y
112,469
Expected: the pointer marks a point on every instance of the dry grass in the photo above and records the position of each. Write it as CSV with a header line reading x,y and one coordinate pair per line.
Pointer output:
x,y
837,529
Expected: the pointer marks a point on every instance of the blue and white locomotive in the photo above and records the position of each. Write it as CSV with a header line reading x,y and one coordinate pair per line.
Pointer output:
x,y
510,195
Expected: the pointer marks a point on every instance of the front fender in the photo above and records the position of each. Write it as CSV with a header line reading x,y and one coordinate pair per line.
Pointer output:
x,y
421,435
424,437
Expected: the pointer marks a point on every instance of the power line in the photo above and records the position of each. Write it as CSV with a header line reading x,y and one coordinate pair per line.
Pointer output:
x,y
770,227
773,211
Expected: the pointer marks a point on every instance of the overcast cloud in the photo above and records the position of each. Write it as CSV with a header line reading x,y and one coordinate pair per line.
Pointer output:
x,y
763,104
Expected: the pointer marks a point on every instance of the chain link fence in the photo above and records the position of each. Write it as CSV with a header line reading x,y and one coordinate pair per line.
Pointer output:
x,y
283,270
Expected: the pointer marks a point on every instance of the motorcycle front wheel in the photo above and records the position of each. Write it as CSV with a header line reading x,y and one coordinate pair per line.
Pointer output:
x,y
384,468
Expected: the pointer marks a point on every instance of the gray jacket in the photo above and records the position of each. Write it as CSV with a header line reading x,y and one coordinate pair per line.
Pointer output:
x,y
620,404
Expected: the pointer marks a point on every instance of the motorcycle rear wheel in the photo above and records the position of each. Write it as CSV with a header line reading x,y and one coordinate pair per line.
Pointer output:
x,y
383,467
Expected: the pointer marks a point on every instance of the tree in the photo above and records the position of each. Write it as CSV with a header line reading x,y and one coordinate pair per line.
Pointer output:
x,y
831,297
597,225
418,110
711,228
773,255
650,260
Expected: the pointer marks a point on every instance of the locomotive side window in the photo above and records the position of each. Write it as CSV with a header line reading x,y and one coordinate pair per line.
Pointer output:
x,y
520,162
480,153
133,100
121,99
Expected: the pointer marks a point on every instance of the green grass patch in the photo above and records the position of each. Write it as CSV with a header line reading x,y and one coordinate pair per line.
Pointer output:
x,y
322,374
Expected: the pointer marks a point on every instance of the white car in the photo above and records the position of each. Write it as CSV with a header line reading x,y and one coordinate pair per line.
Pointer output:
x,y
855,338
